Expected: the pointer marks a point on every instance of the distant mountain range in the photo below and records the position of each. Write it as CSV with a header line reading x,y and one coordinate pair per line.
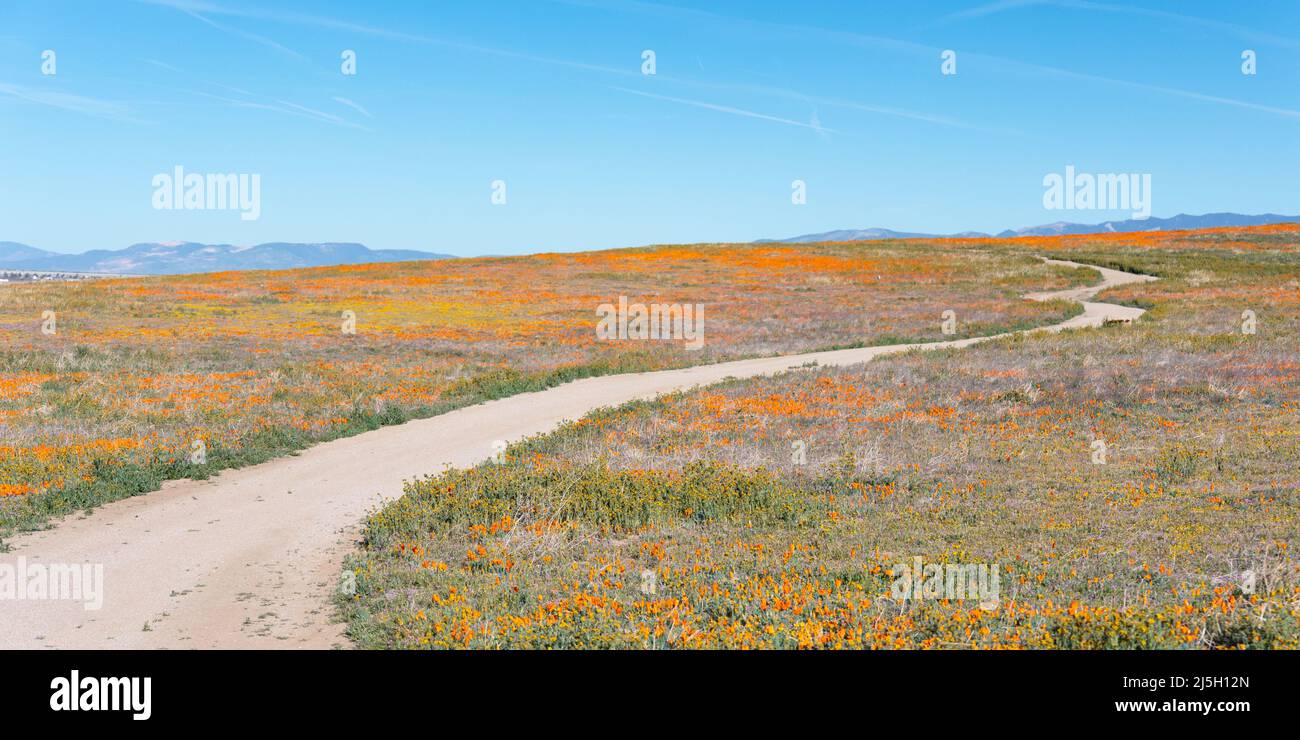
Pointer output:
x,y
174,258
1181,221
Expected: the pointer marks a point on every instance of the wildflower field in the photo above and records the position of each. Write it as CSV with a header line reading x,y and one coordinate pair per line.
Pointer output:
x,y
109,387
1135,487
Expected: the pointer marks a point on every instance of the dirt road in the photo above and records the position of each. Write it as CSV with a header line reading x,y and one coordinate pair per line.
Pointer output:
x,y
249,559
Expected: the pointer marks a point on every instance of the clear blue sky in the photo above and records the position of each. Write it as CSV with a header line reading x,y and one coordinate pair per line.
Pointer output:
x,y
549,97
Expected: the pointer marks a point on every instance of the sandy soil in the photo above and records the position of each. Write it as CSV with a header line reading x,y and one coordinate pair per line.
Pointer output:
x,y
250,558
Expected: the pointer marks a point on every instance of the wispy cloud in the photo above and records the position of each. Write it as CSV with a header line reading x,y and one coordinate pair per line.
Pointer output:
x,y
233,89
76,103
1188,94
813,124
160,65
319,114
1235,29
979,11
200,10
240,98
270,43
883,110
193,6
850,37
749,25
354,106
735,22
286,107
305,19
331,23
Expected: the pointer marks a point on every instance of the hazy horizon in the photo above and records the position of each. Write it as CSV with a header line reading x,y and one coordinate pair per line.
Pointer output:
x,y
593,248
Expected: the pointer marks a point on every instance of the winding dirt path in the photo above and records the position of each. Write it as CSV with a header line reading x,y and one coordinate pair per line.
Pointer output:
x,y
249,558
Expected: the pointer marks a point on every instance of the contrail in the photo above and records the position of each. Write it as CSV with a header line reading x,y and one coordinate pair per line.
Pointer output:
x,y
728,109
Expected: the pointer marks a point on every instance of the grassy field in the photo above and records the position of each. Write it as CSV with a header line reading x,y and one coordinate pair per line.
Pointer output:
x,y
1130,487
109,387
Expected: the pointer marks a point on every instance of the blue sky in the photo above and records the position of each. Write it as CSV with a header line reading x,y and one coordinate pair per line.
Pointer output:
x,y
550,98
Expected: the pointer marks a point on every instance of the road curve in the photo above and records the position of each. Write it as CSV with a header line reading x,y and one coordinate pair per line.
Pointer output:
x,y
249,558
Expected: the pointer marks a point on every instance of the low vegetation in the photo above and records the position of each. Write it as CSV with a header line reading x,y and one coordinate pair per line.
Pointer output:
x,y
109,387
1134,487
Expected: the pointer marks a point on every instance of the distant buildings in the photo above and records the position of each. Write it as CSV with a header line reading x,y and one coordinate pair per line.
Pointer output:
x,y
31,276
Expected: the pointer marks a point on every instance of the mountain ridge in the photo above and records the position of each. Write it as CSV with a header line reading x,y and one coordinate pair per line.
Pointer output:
x,y
177,258
1180,221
